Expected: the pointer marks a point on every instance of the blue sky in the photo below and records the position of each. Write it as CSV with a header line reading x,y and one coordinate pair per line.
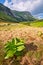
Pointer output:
x,y
34,6
2,1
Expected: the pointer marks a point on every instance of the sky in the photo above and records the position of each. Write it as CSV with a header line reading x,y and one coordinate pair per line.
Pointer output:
x,y
33,6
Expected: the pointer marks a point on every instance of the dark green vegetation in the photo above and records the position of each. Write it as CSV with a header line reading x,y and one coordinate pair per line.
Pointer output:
x,y
14,47
14,16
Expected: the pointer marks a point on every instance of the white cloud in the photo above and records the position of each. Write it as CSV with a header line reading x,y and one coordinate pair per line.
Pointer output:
x,y
23,5
6,2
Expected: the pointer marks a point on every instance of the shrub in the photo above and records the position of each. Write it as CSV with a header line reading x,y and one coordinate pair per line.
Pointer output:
x,y
14,47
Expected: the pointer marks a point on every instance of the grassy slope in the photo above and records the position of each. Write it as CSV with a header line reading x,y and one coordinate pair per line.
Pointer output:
x,y
37,24
5,17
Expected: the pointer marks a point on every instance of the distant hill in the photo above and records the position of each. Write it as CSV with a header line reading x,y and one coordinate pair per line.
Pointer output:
x,y
7,14
23,16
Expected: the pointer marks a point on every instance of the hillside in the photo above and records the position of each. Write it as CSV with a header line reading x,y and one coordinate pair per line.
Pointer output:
x,y
23,15
15,16
6,14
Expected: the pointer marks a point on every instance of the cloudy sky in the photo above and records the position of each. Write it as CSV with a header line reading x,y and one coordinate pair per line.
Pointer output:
x,y
33,6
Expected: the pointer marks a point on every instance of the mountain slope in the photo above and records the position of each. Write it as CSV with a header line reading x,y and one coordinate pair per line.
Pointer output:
x,y
6,14
5,17
15,16
23,16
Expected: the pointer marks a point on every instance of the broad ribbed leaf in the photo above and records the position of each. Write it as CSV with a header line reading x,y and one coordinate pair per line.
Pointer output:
x,y
20,48
19,44
9,54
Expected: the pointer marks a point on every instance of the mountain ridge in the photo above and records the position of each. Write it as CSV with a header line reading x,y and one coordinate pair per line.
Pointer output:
x,y
13,15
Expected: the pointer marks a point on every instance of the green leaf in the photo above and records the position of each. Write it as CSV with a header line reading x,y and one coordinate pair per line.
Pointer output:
x,y
9,54
19,40
13,41
19,44
20,48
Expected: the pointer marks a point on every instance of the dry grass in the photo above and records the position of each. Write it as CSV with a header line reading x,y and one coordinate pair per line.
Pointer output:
x,y
30,35
27,33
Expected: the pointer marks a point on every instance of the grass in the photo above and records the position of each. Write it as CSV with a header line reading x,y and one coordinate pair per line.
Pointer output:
x,y
1,52
11,26
37,24
36,56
